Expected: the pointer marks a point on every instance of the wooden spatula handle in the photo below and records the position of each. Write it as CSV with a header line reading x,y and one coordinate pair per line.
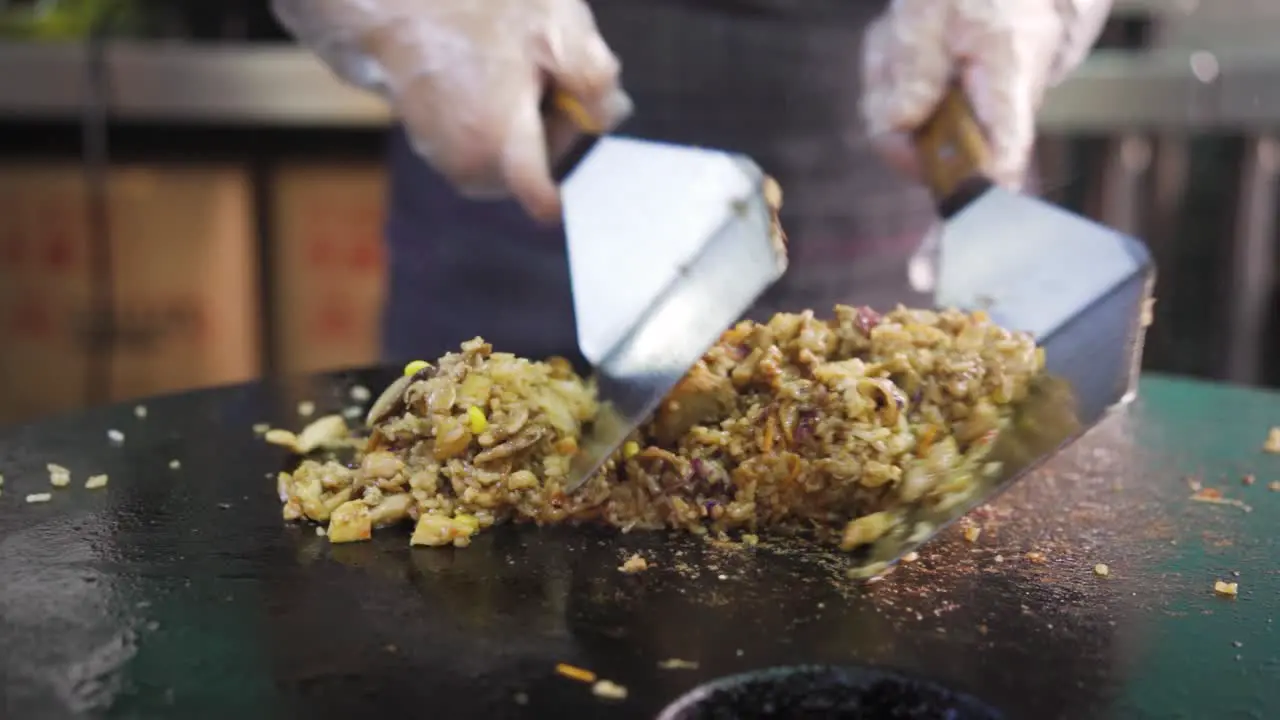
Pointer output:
x,y
950,145
557,102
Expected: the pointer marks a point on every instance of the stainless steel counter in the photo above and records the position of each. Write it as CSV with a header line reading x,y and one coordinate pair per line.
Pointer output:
x,y
284,85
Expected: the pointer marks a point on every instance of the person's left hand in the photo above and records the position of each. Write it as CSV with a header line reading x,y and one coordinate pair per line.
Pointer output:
x,y
1005,53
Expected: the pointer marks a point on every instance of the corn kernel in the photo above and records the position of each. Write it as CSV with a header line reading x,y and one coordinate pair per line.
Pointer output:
x,y
476,420
415,367
630,449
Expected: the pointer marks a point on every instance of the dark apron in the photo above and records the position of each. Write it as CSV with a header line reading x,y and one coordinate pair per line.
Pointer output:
x,y
779,84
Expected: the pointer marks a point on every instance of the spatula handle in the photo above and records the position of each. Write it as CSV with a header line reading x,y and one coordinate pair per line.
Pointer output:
x,y
950,146
559,104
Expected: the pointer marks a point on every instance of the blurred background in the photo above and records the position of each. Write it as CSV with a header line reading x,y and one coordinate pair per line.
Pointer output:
x,y
187,199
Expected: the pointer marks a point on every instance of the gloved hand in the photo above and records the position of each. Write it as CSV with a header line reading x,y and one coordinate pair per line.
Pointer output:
x,y
1006,53
466,77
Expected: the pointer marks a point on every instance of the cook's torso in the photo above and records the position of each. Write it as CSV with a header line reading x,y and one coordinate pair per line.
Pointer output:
x,y
774,79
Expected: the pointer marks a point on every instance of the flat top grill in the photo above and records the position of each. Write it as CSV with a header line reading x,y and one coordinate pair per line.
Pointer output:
x,y
180,592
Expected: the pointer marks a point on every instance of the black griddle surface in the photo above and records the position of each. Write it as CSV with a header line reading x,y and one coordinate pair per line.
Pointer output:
x,y
181,593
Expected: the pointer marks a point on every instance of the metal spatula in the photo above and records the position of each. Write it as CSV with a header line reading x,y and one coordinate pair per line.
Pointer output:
x,y
1083,290
668,246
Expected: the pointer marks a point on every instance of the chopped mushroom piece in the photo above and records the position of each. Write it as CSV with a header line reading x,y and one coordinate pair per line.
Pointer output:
x,y
58,475
634,564
326,432
1272,445
39,497
609,690
95,482
1226,589
350,522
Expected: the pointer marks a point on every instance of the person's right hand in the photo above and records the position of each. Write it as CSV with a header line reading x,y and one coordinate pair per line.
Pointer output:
x,y
467,77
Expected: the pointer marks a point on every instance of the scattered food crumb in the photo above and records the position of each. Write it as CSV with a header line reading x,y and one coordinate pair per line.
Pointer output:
x,y
1248,479
320,530
972,533
1274,486
353,413
224,506
1226,589
140,412
326,432
283,438
521,698
58,475
750,539
911,557
1213,496
175,464
678,664
722,577
609,690
1101,570
360,393
1036,557
306,408
95,482
1237,643
115,436
39,497
392,648
1272,445
260,428
739,653
999,558
634,564
1,481
574,672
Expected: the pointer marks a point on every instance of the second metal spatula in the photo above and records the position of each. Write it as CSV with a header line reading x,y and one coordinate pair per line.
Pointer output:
x,y
1081,289
668,246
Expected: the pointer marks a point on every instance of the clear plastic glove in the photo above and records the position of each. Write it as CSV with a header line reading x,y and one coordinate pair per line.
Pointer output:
x,y
467,76
1006,53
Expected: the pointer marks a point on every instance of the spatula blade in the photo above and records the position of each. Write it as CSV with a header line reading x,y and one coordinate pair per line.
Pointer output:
x,y
668,247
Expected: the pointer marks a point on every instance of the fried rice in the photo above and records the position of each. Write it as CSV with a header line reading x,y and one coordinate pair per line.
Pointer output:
x,y
825,428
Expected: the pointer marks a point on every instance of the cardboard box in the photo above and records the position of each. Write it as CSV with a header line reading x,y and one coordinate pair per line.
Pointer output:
x,y
185,285
329,264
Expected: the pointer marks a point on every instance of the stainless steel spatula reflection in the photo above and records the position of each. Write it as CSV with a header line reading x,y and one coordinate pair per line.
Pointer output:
x,y
1080,288
668,247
